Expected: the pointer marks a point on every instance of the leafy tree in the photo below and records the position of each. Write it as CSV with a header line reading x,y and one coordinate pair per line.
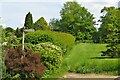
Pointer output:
x,y
110,31
109,27
54,24
8,34
76,20
28,21
9,31
41,24
18,32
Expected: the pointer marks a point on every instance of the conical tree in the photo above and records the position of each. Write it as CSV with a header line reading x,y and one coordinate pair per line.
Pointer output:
x,y
41,24
28,21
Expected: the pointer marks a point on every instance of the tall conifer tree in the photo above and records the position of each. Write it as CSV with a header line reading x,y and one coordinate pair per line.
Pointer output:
x,y
28,21
41,24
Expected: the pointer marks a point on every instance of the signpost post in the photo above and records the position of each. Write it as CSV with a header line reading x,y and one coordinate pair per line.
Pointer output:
x,y
25,30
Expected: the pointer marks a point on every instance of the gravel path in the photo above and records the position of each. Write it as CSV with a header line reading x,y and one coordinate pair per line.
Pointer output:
x,y
76,75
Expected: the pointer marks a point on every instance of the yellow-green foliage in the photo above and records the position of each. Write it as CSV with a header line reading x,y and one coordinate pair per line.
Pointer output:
x,y
86,58
61,39
50,54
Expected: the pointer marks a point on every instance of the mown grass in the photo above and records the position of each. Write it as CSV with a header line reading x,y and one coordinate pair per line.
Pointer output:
x,y
86,58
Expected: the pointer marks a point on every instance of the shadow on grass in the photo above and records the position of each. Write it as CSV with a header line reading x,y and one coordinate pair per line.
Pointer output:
x,y
104,57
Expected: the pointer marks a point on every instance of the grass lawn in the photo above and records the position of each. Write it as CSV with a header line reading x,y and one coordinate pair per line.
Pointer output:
x,y
86,58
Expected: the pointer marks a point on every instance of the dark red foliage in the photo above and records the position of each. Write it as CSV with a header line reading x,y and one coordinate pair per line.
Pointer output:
x,y
19,61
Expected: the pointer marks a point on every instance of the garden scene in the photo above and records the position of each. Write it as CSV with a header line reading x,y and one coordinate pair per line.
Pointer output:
x,y
69,47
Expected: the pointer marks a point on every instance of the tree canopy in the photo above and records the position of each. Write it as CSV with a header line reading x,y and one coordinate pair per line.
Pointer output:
x,y
110,31
76,20
9,31
18,32
54,24
109,27
41,24
28,21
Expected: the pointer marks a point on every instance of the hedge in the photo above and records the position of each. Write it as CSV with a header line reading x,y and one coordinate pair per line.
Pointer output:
x,y
60,39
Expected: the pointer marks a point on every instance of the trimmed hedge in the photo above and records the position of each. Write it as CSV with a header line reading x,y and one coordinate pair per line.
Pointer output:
x,y
60,39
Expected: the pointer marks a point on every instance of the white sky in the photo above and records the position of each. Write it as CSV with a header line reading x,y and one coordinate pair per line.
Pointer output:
x,y
13,12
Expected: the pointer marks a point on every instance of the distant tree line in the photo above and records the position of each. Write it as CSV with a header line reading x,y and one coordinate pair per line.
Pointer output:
x,y
79,22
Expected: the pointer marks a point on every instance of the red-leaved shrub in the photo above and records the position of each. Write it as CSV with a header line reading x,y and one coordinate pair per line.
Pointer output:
x,y
24,63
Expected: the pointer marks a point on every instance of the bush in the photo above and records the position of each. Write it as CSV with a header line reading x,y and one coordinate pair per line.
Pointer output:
x,y
113,50
28,46
50,54
17,41
63,40
21,64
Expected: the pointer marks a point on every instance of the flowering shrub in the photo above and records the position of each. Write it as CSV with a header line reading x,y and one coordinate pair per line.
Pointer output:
x,y
28,46
23,64
50,54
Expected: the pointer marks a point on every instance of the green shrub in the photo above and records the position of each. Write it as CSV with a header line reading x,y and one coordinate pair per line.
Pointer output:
x,y
28,46
50,54
17,41
63,40
112,51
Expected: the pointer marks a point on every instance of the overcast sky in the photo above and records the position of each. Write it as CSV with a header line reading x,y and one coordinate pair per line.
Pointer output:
x,y
12,12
